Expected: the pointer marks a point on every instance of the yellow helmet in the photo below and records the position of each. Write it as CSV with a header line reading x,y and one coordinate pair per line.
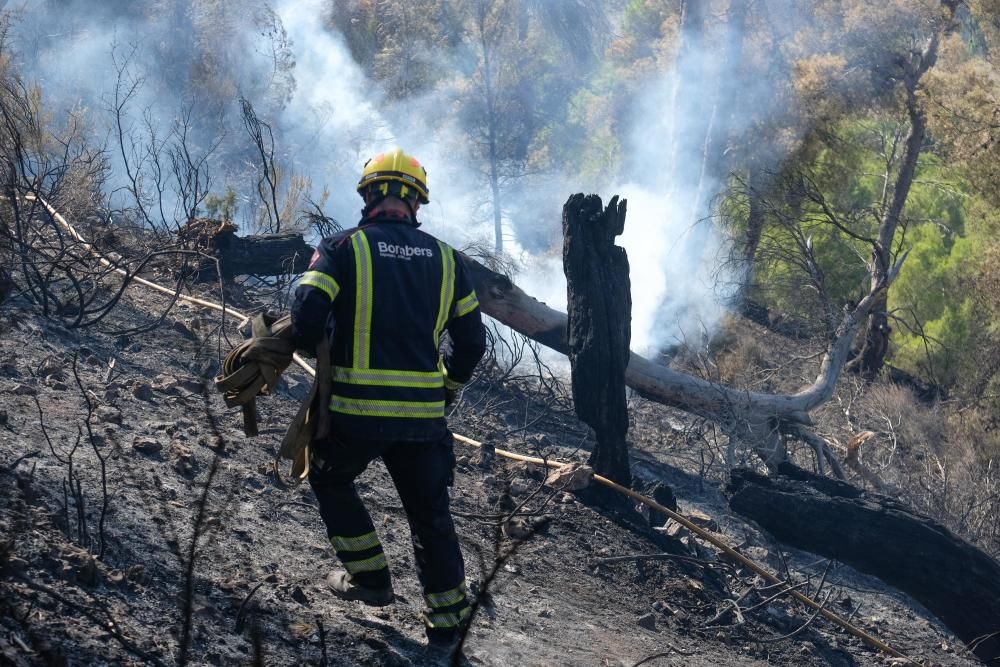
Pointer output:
x,y
395,173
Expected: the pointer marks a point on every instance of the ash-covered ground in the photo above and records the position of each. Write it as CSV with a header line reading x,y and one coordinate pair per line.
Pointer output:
x,y
138,525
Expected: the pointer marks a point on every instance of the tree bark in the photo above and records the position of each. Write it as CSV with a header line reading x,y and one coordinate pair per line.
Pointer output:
x,y
265,255
506,302
957,582
599,326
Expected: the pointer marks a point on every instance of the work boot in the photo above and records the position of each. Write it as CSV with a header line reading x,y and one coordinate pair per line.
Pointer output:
x,y
345,588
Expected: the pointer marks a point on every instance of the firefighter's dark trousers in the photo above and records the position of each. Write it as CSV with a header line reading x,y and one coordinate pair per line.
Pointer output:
x,y
422,473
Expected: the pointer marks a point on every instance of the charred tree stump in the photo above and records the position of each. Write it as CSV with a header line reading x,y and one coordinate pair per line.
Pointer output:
x,y
267,255
599,326
264,255
957,582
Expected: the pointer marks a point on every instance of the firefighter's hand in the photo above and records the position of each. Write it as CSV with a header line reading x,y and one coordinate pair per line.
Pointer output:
x,y
449,396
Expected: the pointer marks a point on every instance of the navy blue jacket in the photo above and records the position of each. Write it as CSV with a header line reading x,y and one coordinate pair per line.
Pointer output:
x,y
386,292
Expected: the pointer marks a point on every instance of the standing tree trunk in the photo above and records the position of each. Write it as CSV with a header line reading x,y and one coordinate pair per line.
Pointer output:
x,y
871,357
599,326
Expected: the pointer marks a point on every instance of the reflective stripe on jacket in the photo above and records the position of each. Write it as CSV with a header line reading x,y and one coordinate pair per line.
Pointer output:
x,y
392,291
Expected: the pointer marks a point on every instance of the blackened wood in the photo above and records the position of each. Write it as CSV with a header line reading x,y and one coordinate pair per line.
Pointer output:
x,y
268,255
599,326
265,255
957,582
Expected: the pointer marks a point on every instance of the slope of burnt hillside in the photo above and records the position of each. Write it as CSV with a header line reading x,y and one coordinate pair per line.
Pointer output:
x,y
138,525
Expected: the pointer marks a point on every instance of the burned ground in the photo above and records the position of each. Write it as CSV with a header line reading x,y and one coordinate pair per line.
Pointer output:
x,y
178,469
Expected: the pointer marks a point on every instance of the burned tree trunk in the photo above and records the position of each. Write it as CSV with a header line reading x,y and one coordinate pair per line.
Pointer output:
x,y
599,326
265,255
957,582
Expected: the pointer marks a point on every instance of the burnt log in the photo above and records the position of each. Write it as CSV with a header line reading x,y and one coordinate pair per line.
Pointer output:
x,y
264,255
874,534
504,301
599,313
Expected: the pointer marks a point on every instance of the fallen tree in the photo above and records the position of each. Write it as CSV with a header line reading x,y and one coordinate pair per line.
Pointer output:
x,y
762,420
262,255
957,582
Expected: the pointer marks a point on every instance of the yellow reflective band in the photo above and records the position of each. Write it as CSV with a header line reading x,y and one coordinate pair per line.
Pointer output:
x,y
376,562
447,598
363,300
449,620
360,543
467,305
322,281
451,384
447,290
379,377
365,407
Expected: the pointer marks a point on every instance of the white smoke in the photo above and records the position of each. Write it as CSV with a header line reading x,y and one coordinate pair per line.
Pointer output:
x,y
336,118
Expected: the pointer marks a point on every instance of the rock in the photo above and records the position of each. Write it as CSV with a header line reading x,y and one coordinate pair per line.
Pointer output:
x,y
142,391
299,596
462,461
674,530
196,386
702,520
487,455
566,498
3,418
180,450
146,445
183,457
213,442
55,383
53,365
182,329
158,426
545,613
663,608
82,565
136,574
108,414
572,477
9,369
24,390
517,529
165,384
647,621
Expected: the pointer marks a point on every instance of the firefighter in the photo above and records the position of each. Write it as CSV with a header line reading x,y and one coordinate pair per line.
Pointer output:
x,y
385,292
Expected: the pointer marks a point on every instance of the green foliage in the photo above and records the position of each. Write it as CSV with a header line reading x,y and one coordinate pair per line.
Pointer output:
x,y
221,207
